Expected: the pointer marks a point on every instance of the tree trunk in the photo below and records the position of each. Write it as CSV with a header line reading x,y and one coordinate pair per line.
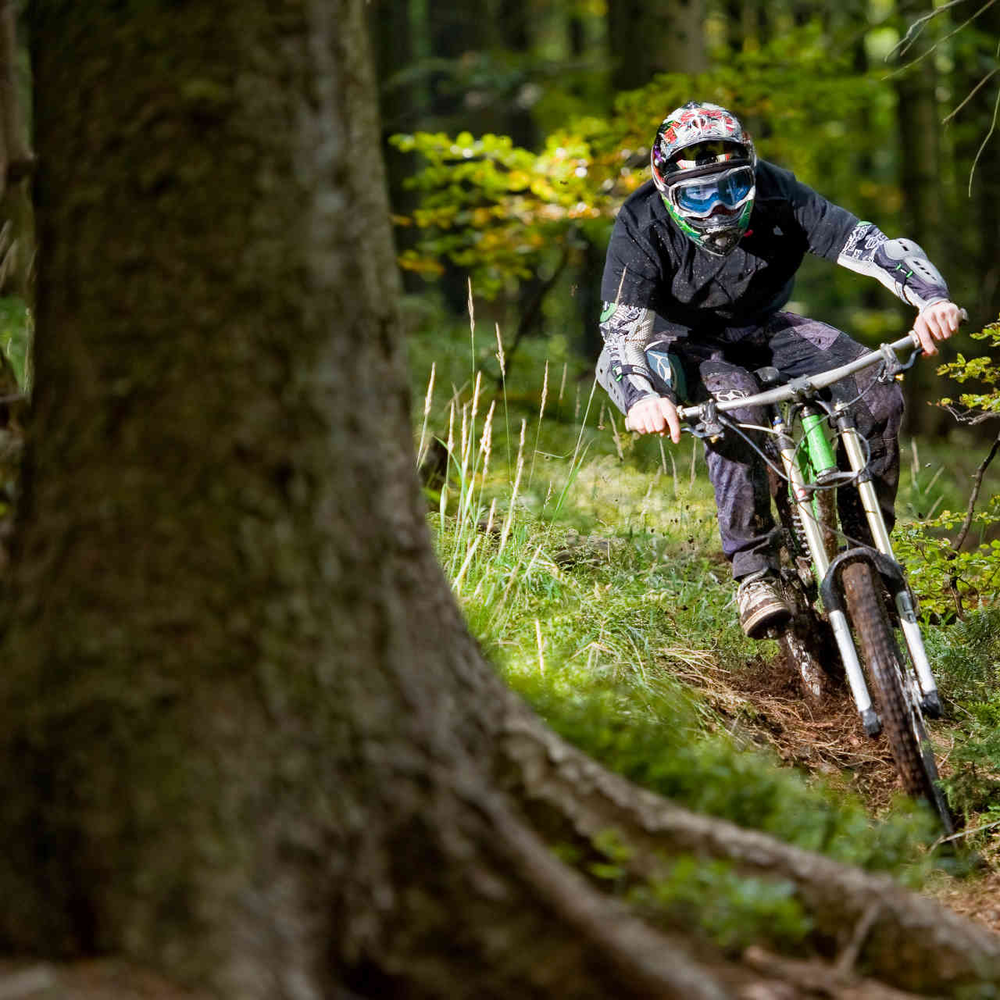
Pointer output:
x,y
918,120
391,31
986,182
650,38
922,215
16,161
746,22
246,737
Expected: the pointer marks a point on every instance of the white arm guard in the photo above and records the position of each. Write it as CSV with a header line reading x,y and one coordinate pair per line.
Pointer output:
x,y
901,265
626,331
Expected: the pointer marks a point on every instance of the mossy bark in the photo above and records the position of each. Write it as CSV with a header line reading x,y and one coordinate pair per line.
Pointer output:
x,y
245,735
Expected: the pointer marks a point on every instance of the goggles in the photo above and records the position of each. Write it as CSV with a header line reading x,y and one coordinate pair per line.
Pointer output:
x,y
698,197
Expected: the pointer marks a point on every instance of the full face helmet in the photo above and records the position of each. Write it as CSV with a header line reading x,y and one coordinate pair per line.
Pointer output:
x,y
703,166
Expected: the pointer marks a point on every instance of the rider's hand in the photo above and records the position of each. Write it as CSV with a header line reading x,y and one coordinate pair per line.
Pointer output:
x,y
654,415
937,321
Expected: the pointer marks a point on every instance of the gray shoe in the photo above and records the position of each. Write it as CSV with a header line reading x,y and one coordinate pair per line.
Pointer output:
x,y
761,603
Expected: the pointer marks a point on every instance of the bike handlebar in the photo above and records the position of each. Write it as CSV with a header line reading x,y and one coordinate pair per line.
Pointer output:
x,y
807,384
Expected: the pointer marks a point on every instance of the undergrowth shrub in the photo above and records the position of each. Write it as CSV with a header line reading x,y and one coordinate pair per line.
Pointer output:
x,y
968,667
733,910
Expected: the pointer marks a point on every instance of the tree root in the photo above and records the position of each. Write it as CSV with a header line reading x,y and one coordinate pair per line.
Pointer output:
x,y
646,961
817,978
910,941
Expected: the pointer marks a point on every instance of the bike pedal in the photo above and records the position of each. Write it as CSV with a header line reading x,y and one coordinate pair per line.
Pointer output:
x,y
871,722
930,705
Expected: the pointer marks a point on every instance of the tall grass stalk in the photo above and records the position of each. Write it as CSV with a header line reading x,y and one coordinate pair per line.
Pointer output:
x,y
541,647
472,327
474,456
538,428
577,461
503,384
509,520
466,444
618,440
485,448
491,517
450,449
468,512
467,515
457,584
428,398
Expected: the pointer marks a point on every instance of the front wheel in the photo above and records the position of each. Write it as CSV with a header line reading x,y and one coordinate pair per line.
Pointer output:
x,y
898,706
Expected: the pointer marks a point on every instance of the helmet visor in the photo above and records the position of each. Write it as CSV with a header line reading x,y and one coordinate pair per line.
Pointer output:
x,y
698,197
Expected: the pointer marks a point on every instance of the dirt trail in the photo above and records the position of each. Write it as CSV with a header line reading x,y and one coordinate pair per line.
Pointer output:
x,y
767,708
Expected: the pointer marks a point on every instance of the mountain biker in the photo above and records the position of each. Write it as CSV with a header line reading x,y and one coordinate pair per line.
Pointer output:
x,y
700,264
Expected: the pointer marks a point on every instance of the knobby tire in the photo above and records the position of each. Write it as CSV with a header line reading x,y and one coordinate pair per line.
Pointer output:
x,y
901,718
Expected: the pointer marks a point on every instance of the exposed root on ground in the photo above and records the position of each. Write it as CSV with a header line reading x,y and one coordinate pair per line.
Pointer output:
x,y
910,941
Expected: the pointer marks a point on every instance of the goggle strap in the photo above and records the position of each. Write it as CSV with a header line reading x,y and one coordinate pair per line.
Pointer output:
x,y
690,175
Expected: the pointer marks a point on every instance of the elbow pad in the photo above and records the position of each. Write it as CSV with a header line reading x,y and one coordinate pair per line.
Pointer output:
x,y
917,280
901,265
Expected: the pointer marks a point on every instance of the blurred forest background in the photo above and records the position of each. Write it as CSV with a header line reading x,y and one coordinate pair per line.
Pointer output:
x,y
515,128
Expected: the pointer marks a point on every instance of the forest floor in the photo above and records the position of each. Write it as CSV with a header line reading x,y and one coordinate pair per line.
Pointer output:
x,y
766,707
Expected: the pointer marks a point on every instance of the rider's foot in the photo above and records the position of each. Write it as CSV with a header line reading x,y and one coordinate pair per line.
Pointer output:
x,y
761,603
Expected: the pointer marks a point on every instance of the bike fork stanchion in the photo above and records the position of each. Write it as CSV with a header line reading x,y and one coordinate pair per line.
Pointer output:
x,y
802,497
930,701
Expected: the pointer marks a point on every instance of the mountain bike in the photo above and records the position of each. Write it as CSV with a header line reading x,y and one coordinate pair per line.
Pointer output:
x,y
848,594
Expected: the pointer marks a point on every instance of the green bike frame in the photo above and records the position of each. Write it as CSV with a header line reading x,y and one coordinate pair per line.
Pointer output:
x,y
799,460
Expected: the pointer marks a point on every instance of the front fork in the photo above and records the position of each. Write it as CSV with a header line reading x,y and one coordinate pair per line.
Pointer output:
x,y
928,693
821,456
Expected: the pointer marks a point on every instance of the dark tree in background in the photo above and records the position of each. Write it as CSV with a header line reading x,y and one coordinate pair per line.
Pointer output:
x,y
987,181
16,243
650,38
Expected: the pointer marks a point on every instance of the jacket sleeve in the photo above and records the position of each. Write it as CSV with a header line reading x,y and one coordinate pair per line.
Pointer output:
x,y
900,264
631,278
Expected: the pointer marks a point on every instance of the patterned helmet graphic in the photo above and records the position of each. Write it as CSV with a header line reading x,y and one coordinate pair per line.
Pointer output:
x,y
703,162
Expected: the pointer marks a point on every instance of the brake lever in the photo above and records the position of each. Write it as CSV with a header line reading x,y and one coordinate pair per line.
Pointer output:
x,y
709,426
892,366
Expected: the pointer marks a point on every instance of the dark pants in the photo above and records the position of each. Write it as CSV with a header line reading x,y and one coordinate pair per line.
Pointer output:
x,y
796,346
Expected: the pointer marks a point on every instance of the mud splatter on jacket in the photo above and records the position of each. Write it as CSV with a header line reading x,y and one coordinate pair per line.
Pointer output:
x,y
657,281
